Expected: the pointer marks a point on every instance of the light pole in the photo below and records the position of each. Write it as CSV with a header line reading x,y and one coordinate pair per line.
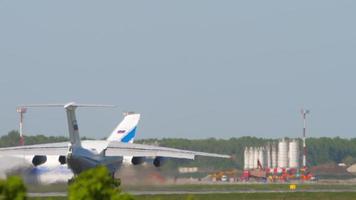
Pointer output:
x,y
304,113
21,111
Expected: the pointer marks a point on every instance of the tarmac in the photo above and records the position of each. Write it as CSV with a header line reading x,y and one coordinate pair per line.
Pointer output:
x,y
64,194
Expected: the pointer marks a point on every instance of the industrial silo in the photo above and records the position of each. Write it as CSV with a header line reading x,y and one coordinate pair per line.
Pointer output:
x,y
261,156
246,158
293,154
274,155
283,153
255,152
268,156
251,157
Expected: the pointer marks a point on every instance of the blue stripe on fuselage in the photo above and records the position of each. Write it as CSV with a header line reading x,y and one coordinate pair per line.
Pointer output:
x,y
129,136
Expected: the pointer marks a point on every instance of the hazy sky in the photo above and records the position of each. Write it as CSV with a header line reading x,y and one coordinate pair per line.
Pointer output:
x,y
193,69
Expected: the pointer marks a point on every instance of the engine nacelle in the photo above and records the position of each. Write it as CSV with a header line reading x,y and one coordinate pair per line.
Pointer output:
x,y
138,160
158,161
62,160
38,160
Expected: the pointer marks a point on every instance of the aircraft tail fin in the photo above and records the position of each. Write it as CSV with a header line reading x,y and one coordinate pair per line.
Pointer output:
x,y
126,130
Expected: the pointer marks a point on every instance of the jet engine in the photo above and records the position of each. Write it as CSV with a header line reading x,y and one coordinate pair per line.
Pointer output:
x,y
62,160
38,160
138,160
158,161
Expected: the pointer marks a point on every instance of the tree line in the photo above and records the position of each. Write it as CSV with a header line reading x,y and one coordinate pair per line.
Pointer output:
x,y
320,150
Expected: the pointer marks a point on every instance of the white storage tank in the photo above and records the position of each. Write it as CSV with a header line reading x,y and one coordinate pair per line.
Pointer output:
x,y
246,158
294,154
261,156
255,152
283,153
251,157
268,156
274,156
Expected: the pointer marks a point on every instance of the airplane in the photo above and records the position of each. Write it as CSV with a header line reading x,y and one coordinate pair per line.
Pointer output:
x,y
83,155
49,170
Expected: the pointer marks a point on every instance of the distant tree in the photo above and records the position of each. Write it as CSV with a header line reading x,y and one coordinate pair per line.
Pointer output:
x,y
349,160
96,184
13,189
13,139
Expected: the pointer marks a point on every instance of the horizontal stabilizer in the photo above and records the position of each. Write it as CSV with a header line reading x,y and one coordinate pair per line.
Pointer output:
x,y
71,104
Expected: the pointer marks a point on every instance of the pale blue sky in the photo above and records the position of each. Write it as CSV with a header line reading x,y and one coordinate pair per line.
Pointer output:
x,y
194,69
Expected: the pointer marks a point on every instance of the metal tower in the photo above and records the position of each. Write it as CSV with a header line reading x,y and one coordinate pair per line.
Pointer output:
x,y
304,114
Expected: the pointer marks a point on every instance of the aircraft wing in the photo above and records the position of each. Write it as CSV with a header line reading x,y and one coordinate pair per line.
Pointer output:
x,y
141,150
38,149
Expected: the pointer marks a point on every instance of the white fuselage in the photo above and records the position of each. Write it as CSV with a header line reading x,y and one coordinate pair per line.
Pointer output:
x,y
80,158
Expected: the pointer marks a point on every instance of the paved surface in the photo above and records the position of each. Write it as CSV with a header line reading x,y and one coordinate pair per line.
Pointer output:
x,y
63,194
47,194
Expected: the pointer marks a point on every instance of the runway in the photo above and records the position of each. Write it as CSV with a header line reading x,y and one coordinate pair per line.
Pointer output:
x,y
63,194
